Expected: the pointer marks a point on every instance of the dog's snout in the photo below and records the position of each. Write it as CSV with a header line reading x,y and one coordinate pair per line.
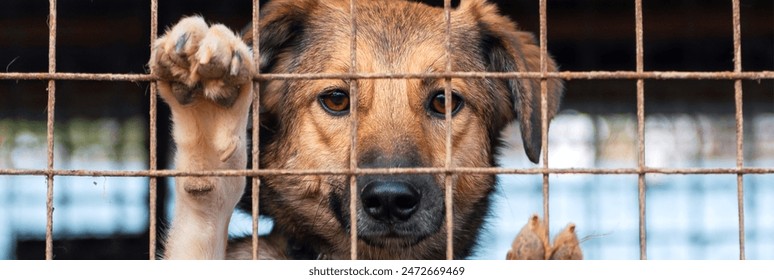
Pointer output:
x,y
390,201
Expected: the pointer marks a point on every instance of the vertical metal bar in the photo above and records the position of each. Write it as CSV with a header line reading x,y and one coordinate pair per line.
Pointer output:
x,y
739,123
449,196
544,109
152,162
641,188
353,133
50,131
256,151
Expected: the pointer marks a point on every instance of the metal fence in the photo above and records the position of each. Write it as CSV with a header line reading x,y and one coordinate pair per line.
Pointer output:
x,y
641,170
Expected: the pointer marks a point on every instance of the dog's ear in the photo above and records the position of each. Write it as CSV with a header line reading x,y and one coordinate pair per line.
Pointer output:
x,y
506,49
282,25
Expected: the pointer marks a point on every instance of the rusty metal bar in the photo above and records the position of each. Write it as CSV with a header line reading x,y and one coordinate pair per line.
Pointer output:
x,y
567,75
353,133
152,145
544,112
256,129
112,77
50,131
447,91
739,123
641,187
387,171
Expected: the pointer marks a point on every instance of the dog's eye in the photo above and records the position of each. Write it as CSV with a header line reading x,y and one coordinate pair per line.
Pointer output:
x,y
335,102
437,104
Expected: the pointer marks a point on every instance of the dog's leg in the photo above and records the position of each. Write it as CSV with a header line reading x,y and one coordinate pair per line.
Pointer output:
x,y
206,78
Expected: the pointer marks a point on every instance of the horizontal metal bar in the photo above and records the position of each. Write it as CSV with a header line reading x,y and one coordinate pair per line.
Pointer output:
x,y
77,76
387,171
567,75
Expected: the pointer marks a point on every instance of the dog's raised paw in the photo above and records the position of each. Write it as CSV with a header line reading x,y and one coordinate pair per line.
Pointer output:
x,y
194,60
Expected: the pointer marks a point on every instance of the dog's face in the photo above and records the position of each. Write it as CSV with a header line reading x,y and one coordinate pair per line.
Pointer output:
x,y
400,122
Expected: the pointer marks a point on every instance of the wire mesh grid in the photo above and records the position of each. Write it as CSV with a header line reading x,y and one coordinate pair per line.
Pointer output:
x,y
641,170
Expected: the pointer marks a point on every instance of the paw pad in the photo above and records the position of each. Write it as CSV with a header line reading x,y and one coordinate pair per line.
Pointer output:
x,y
198,186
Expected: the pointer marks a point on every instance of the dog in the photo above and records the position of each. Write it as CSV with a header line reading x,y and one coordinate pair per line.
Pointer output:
x,y
206,77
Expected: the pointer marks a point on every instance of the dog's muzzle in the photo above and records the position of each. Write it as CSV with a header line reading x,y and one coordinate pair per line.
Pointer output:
x,y
398,211
393,210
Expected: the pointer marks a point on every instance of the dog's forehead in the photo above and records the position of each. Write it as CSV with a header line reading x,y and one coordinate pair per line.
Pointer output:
x,y
397,34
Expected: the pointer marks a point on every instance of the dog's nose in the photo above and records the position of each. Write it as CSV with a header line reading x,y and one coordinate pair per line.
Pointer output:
x,y
390,201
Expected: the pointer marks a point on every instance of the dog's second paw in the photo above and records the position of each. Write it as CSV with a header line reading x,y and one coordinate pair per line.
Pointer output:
x,y
532,243
196,61
566,245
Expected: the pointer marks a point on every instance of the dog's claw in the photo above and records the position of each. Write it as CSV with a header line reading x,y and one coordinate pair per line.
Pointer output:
x,y
180,45
235,64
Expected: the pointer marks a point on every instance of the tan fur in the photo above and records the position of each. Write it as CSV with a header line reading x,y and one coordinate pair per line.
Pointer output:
x,y
206,82
566,245
531,243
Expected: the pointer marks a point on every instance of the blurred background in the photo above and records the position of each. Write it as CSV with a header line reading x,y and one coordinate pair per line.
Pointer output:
x,y
689,123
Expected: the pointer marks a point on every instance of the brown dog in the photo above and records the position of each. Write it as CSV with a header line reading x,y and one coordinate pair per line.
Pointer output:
x,y
205,76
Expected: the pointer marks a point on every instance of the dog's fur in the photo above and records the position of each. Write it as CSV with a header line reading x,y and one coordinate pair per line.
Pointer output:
x,y
206,78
